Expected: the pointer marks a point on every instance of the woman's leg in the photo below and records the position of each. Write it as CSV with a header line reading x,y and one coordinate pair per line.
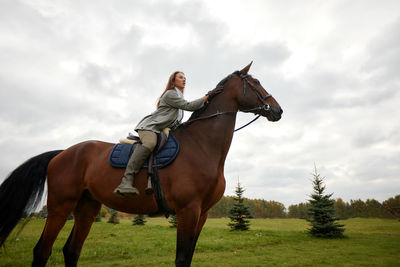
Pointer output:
x,y
148,138
139,156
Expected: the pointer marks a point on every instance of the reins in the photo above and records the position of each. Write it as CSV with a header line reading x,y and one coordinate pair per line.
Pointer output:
x,y
260,97
253,120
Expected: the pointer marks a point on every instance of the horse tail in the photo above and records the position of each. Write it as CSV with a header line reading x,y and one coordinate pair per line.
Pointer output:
x,y
22,191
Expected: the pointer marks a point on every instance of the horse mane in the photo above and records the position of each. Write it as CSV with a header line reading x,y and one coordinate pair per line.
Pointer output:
x,y
218,89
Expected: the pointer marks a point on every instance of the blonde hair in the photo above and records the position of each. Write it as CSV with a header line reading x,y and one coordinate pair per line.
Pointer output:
x,y
170,84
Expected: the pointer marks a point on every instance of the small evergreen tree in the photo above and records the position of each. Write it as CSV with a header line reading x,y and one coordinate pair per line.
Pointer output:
x,y
173,220
239,213
114,217
98,218
102,213
42,213
139,220
322,212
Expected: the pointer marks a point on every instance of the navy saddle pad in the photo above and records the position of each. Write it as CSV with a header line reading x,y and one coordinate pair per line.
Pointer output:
x,y
121,153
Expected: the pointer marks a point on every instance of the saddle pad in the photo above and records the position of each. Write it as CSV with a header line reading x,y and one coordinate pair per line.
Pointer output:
x,y
121,153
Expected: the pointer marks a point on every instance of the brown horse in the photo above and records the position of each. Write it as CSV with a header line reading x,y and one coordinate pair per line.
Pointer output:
x,y
80,178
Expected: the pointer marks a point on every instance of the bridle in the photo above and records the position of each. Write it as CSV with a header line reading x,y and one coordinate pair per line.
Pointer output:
x,y
259,95
246,82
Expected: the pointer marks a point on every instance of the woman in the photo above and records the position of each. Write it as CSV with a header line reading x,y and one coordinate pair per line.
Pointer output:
x,y
169,114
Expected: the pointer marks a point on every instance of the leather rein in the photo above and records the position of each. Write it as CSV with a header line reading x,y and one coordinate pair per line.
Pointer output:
x,y
262,98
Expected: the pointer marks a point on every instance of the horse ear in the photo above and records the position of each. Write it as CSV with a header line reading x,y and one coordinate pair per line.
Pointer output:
x,y
245,70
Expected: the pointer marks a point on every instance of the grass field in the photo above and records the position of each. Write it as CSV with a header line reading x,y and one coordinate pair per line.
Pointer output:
x,y
270,242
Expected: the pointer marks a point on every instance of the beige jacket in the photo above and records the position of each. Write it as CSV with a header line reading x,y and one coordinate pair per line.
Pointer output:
x,y
166,114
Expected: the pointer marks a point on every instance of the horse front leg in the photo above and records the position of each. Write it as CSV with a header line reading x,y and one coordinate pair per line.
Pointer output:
x,y
188,220
199,227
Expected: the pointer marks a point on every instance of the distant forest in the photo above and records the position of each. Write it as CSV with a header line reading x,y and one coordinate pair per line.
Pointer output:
x,y
261,208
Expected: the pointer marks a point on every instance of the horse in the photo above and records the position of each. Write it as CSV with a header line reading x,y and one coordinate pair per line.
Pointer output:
x,y
80,179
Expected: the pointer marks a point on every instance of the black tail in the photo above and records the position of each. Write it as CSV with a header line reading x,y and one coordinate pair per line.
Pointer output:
x,y
22,191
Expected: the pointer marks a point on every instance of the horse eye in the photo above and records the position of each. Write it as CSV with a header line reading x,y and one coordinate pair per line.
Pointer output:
x,y
257,82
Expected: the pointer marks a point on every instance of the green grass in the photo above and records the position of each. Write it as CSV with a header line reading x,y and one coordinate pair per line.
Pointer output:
x,y
270,242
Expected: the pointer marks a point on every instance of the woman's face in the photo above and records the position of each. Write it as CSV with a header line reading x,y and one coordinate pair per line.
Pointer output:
x,y
180,81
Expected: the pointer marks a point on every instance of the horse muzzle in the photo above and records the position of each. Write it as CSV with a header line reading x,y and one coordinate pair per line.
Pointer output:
x,y
272,113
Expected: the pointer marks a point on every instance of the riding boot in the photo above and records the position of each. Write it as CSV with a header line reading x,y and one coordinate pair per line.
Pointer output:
x,y
139,156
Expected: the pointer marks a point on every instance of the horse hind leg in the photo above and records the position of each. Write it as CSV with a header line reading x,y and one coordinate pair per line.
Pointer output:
x,y
55,221
84,215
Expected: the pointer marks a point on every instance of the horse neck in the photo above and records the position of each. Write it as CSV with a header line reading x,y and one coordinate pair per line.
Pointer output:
x,y
214,135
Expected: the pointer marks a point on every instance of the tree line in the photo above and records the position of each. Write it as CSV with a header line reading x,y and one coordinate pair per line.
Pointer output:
x,y
260,208
389,208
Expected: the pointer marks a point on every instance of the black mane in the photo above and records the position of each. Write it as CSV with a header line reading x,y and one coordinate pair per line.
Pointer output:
x,y
218,89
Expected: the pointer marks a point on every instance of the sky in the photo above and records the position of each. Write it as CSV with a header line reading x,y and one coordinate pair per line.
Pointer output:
x,y
72,71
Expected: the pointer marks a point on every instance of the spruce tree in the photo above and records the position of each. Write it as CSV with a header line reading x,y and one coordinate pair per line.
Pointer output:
x,y
98,218
43,213
114,216
102,213
322,212
139,220
239,213
173,220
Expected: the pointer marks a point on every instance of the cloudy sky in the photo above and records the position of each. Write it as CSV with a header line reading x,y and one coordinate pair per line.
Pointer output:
x,y
77,70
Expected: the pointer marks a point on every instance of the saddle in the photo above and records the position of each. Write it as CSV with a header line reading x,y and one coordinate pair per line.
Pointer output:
x,y
164,153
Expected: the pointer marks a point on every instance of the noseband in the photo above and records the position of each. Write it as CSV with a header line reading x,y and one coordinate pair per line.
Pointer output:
x,y
246,82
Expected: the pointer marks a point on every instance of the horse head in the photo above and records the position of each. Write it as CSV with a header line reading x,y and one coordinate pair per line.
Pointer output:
x,y
244,93
252,97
